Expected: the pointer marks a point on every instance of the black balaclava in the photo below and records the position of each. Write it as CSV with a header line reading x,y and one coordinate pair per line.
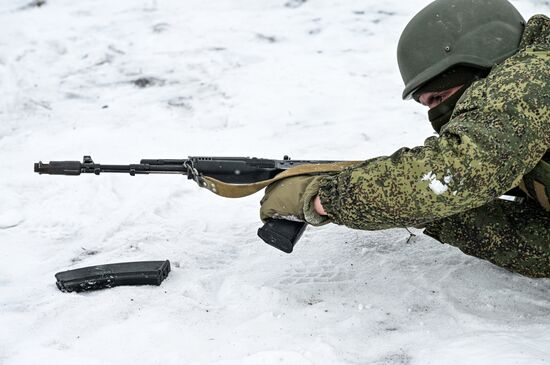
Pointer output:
x,y
460,75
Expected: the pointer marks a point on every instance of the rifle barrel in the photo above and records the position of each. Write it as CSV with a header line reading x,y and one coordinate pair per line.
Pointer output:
x,y
76,168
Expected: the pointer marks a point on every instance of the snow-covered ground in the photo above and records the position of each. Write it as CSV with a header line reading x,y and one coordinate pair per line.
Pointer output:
x,y
130,79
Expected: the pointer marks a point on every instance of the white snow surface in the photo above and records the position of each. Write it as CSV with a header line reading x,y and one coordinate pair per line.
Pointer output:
x,y
312,79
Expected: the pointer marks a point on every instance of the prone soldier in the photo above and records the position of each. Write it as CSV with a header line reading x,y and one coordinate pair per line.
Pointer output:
x,y
484,73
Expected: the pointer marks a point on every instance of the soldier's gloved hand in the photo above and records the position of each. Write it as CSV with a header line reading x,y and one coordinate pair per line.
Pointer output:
x,y
292,199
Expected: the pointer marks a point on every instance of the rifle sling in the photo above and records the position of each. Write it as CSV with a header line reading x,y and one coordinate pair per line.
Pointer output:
x,y
228,190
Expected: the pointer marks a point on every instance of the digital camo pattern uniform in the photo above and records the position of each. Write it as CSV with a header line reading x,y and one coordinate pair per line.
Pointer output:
x,y
499,131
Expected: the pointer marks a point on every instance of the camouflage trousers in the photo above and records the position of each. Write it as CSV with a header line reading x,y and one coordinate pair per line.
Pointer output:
x,y
511,235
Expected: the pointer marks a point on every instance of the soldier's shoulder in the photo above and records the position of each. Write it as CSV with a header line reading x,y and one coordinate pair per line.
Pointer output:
x,y
537,32
518,88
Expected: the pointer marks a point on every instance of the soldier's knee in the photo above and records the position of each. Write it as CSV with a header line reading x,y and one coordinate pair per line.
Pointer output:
x,y
514,237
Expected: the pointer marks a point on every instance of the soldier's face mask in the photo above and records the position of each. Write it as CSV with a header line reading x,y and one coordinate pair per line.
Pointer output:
x,y
440,114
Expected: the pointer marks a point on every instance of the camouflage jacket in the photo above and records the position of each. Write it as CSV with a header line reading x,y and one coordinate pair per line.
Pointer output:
x,y
499,131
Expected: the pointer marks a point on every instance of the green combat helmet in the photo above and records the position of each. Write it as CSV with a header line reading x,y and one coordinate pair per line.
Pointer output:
x,y
447,33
